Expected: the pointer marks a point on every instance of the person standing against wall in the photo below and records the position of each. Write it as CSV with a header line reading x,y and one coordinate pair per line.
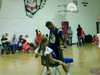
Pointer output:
x,y
79,35
70,35
98,35
38,37
82,36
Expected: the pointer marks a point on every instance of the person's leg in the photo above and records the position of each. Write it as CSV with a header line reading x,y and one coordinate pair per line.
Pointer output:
x,y
5,47
29,50
16,47
13,47
71,40
79,41
59,54
83,41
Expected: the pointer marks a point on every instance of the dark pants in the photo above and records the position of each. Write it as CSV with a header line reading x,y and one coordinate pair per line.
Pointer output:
x,y
59,54
70,41
79,40
16,46
83,41
9,45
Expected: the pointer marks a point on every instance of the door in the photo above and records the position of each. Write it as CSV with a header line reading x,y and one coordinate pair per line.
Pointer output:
x,y
65,26
98,27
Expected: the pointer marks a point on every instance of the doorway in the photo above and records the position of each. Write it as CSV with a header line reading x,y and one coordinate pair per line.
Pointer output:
x,y
98,27
65,26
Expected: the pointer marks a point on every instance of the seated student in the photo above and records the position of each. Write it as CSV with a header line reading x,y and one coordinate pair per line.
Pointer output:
x,y
7,43
24,44
20,47
44,50
96,40
15,42
98,35
27,39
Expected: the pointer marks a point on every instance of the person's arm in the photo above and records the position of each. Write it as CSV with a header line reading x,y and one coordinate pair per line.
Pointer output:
x,y
62,36
3,41
36,53
54,60
36,56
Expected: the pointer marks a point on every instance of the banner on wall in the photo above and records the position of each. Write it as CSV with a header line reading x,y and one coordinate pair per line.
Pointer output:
x,y
32,6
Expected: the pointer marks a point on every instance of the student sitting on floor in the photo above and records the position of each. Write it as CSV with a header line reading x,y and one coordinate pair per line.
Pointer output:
x,y
44,50
7,43
96,40
15,42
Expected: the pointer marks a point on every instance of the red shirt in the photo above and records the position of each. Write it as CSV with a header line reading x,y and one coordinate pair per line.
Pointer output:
x,y
38,37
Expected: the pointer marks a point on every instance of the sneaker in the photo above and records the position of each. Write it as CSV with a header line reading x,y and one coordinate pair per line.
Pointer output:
x,y
23,50
68,73
48,72
29,51
56,72
69,66
16,50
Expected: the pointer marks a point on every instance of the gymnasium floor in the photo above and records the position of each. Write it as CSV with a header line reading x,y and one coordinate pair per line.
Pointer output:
x,y
85,59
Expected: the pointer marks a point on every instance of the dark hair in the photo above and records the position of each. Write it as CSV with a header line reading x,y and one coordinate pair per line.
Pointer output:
x,y
46,35
6,34
42,46
79,25
48,23
36,30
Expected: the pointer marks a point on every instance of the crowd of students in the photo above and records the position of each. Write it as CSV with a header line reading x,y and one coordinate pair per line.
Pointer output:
x,y
15,44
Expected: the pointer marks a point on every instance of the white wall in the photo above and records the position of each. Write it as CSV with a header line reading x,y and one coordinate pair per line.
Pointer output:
x,y
13,18
87,17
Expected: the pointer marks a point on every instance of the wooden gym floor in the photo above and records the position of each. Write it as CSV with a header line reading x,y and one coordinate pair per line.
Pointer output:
x,y
85,59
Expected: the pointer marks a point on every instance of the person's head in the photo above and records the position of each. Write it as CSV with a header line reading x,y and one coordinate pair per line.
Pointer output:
x,y
26,36
14,35
21,36
69,28
37,31
43,44
46,35
6,34
3,36
79,26
43,35
49,25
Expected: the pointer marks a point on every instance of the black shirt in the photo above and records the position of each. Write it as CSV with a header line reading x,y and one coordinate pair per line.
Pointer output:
x,y
79,31
4,39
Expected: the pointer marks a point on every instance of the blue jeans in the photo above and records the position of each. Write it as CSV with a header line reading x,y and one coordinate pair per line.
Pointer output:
x,y
16,46
70,41
9,45
79,40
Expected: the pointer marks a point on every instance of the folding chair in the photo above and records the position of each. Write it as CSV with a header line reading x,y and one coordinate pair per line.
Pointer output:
x,y
47,63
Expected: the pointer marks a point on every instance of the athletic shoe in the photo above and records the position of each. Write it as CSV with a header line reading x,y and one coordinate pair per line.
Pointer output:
x,y
29,51
68,73
48,72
